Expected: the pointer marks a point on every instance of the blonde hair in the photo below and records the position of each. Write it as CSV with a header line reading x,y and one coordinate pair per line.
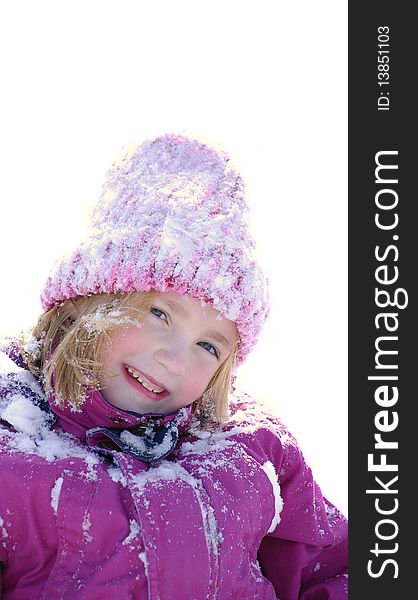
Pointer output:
x,y
65,346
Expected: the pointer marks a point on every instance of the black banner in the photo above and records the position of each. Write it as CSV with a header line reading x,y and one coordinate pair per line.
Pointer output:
x,y
382,283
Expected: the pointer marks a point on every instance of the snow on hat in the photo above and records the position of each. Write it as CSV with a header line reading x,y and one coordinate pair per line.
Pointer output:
x,y
172,216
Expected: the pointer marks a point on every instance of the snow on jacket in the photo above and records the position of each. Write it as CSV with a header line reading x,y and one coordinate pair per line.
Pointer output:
x,y
104,504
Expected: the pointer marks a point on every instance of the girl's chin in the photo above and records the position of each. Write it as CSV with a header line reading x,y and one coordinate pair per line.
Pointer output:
x,y
140,404
145,406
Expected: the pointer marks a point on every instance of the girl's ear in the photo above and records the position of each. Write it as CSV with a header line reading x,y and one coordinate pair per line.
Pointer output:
x,y
70,308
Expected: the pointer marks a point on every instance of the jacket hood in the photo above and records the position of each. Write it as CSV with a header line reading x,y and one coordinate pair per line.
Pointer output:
x,y
97,423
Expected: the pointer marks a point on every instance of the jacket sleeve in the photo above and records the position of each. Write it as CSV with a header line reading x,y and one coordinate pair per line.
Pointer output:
x,y
305,557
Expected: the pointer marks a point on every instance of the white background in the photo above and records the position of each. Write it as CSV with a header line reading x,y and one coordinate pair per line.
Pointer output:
x,y
267,80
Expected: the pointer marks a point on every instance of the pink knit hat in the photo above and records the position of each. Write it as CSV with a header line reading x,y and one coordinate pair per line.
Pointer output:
x,y
172,217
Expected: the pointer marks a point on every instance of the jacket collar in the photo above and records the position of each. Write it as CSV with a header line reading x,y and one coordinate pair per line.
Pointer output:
x,y
96,411
148,437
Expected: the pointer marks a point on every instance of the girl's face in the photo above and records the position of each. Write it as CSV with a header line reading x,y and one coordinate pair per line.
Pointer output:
x,y
167,362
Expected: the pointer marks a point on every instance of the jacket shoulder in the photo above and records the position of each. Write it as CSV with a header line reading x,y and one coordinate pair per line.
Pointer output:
x,y
23,404
15,376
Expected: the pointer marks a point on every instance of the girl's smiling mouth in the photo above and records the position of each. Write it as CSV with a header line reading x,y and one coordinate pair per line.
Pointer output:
x,y
143,384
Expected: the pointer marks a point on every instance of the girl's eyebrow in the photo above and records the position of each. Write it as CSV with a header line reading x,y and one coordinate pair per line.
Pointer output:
x,y
219,338
177,308
182,312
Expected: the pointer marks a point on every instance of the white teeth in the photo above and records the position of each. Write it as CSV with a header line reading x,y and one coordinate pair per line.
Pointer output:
x,y
144,383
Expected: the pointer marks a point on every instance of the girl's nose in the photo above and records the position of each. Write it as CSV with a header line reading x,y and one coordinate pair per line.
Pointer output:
x,y
173,360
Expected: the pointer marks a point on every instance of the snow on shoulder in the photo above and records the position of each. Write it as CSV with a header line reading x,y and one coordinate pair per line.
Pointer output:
x,y
29,431
249,414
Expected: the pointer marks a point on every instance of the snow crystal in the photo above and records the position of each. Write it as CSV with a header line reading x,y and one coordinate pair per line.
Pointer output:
x,y
270,471
23,415
95,322
52,446
134,530
91,461
138,443
332,511
256,572
33,347
142,556
134,441
3,529
85,526
116,475
223,461
165,471
55,493
7,365
10,371
223,282
211,444
183,415
196,431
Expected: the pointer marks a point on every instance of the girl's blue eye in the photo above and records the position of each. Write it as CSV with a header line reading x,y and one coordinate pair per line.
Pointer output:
x,y
158,313
211,349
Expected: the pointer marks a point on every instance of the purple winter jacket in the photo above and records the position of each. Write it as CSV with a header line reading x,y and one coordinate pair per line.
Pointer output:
x,y
108,504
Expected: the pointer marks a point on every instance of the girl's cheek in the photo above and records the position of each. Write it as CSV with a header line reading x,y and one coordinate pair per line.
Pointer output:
x,y
202,377
131,340
195,391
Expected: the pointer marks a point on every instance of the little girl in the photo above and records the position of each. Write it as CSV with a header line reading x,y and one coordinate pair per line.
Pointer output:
x,y
129,466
